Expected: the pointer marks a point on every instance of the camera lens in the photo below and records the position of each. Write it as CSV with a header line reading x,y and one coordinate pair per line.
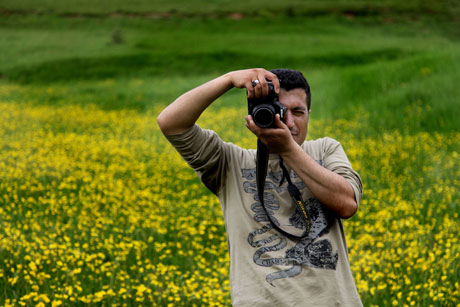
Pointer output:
x,y
264,115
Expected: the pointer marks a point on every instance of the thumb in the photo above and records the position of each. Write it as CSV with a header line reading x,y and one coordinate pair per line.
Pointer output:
x,y
279,123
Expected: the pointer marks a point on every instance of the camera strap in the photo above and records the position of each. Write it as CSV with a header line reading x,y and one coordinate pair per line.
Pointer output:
x,y
261,174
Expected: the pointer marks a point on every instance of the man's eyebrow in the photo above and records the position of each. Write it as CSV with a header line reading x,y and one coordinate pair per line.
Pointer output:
x,y
299,108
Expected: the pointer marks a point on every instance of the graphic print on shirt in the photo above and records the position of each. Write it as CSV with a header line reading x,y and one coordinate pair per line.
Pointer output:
x,y
309,250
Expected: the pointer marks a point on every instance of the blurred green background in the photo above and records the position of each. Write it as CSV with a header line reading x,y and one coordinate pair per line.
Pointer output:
x,y
395,61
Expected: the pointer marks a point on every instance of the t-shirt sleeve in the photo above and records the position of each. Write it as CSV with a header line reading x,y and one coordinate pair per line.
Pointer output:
x,y
337,161
205,152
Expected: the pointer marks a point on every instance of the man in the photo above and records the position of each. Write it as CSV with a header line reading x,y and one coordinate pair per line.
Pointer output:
x,y
270,267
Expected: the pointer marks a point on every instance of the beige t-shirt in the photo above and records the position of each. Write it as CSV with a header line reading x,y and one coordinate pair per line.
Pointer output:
x,y
266,267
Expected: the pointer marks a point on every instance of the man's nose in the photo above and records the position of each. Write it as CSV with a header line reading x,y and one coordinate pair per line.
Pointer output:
x,y
289,119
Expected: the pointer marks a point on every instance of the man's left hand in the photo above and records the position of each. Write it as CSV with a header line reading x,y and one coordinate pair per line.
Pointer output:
x,y
278,140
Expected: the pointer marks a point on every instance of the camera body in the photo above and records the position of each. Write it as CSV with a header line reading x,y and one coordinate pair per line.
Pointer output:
x,y
264,109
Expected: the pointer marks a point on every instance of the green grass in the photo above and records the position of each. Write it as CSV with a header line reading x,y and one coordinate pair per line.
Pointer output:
x,y
391,71
260,7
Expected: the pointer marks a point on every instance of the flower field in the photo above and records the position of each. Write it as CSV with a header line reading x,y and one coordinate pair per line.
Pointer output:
x,y
98,209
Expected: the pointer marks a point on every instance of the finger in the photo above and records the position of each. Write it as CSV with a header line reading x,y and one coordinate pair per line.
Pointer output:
x,y
263,83
250,89
251,125
248,119
279,123
258,89
276,83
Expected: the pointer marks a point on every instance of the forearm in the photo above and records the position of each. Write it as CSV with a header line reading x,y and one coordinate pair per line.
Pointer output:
x,y
185,110
331,189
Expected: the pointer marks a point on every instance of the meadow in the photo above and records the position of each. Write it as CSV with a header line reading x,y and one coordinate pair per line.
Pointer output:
x,y
97,209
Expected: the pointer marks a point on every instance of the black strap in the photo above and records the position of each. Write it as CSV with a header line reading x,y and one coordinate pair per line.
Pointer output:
x,y
261,174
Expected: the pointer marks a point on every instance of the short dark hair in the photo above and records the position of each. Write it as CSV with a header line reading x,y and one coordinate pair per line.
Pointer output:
x,y
291,79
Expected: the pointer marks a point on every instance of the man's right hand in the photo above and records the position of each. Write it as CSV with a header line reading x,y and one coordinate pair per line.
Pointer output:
x,y
244,78
185,110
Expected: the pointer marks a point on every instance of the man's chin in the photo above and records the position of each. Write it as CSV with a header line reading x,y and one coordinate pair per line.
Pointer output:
x,y
298,139
295,136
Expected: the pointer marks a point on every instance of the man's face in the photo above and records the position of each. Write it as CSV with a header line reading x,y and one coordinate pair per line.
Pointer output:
x,y
297,114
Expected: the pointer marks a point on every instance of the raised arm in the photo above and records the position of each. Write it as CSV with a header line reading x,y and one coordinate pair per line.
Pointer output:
x,y
185,110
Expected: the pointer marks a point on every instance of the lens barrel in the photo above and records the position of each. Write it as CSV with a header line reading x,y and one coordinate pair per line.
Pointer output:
x,y
264,115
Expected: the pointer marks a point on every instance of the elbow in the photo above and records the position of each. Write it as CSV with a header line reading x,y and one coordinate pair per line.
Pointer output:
x,y
349,210
164,123
161,122
170,125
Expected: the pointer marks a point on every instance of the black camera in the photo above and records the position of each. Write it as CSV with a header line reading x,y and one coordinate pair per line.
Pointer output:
x,y
264,109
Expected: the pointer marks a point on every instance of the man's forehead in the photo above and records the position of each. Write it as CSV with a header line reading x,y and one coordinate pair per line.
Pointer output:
x,y
296,98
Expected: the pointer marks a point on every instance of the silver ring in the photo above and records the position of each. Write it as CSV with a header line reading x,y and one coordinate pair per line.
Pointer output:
x,y
255,82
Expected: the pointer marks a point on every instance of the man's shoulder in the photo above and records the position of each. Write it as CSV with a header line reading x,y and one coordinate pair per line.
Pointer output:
x,y
320,143
233,150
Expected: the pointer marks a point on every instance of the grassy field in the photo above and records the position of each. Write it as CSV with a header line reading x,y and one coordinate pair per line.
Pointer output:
x,y
213,8
96,208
